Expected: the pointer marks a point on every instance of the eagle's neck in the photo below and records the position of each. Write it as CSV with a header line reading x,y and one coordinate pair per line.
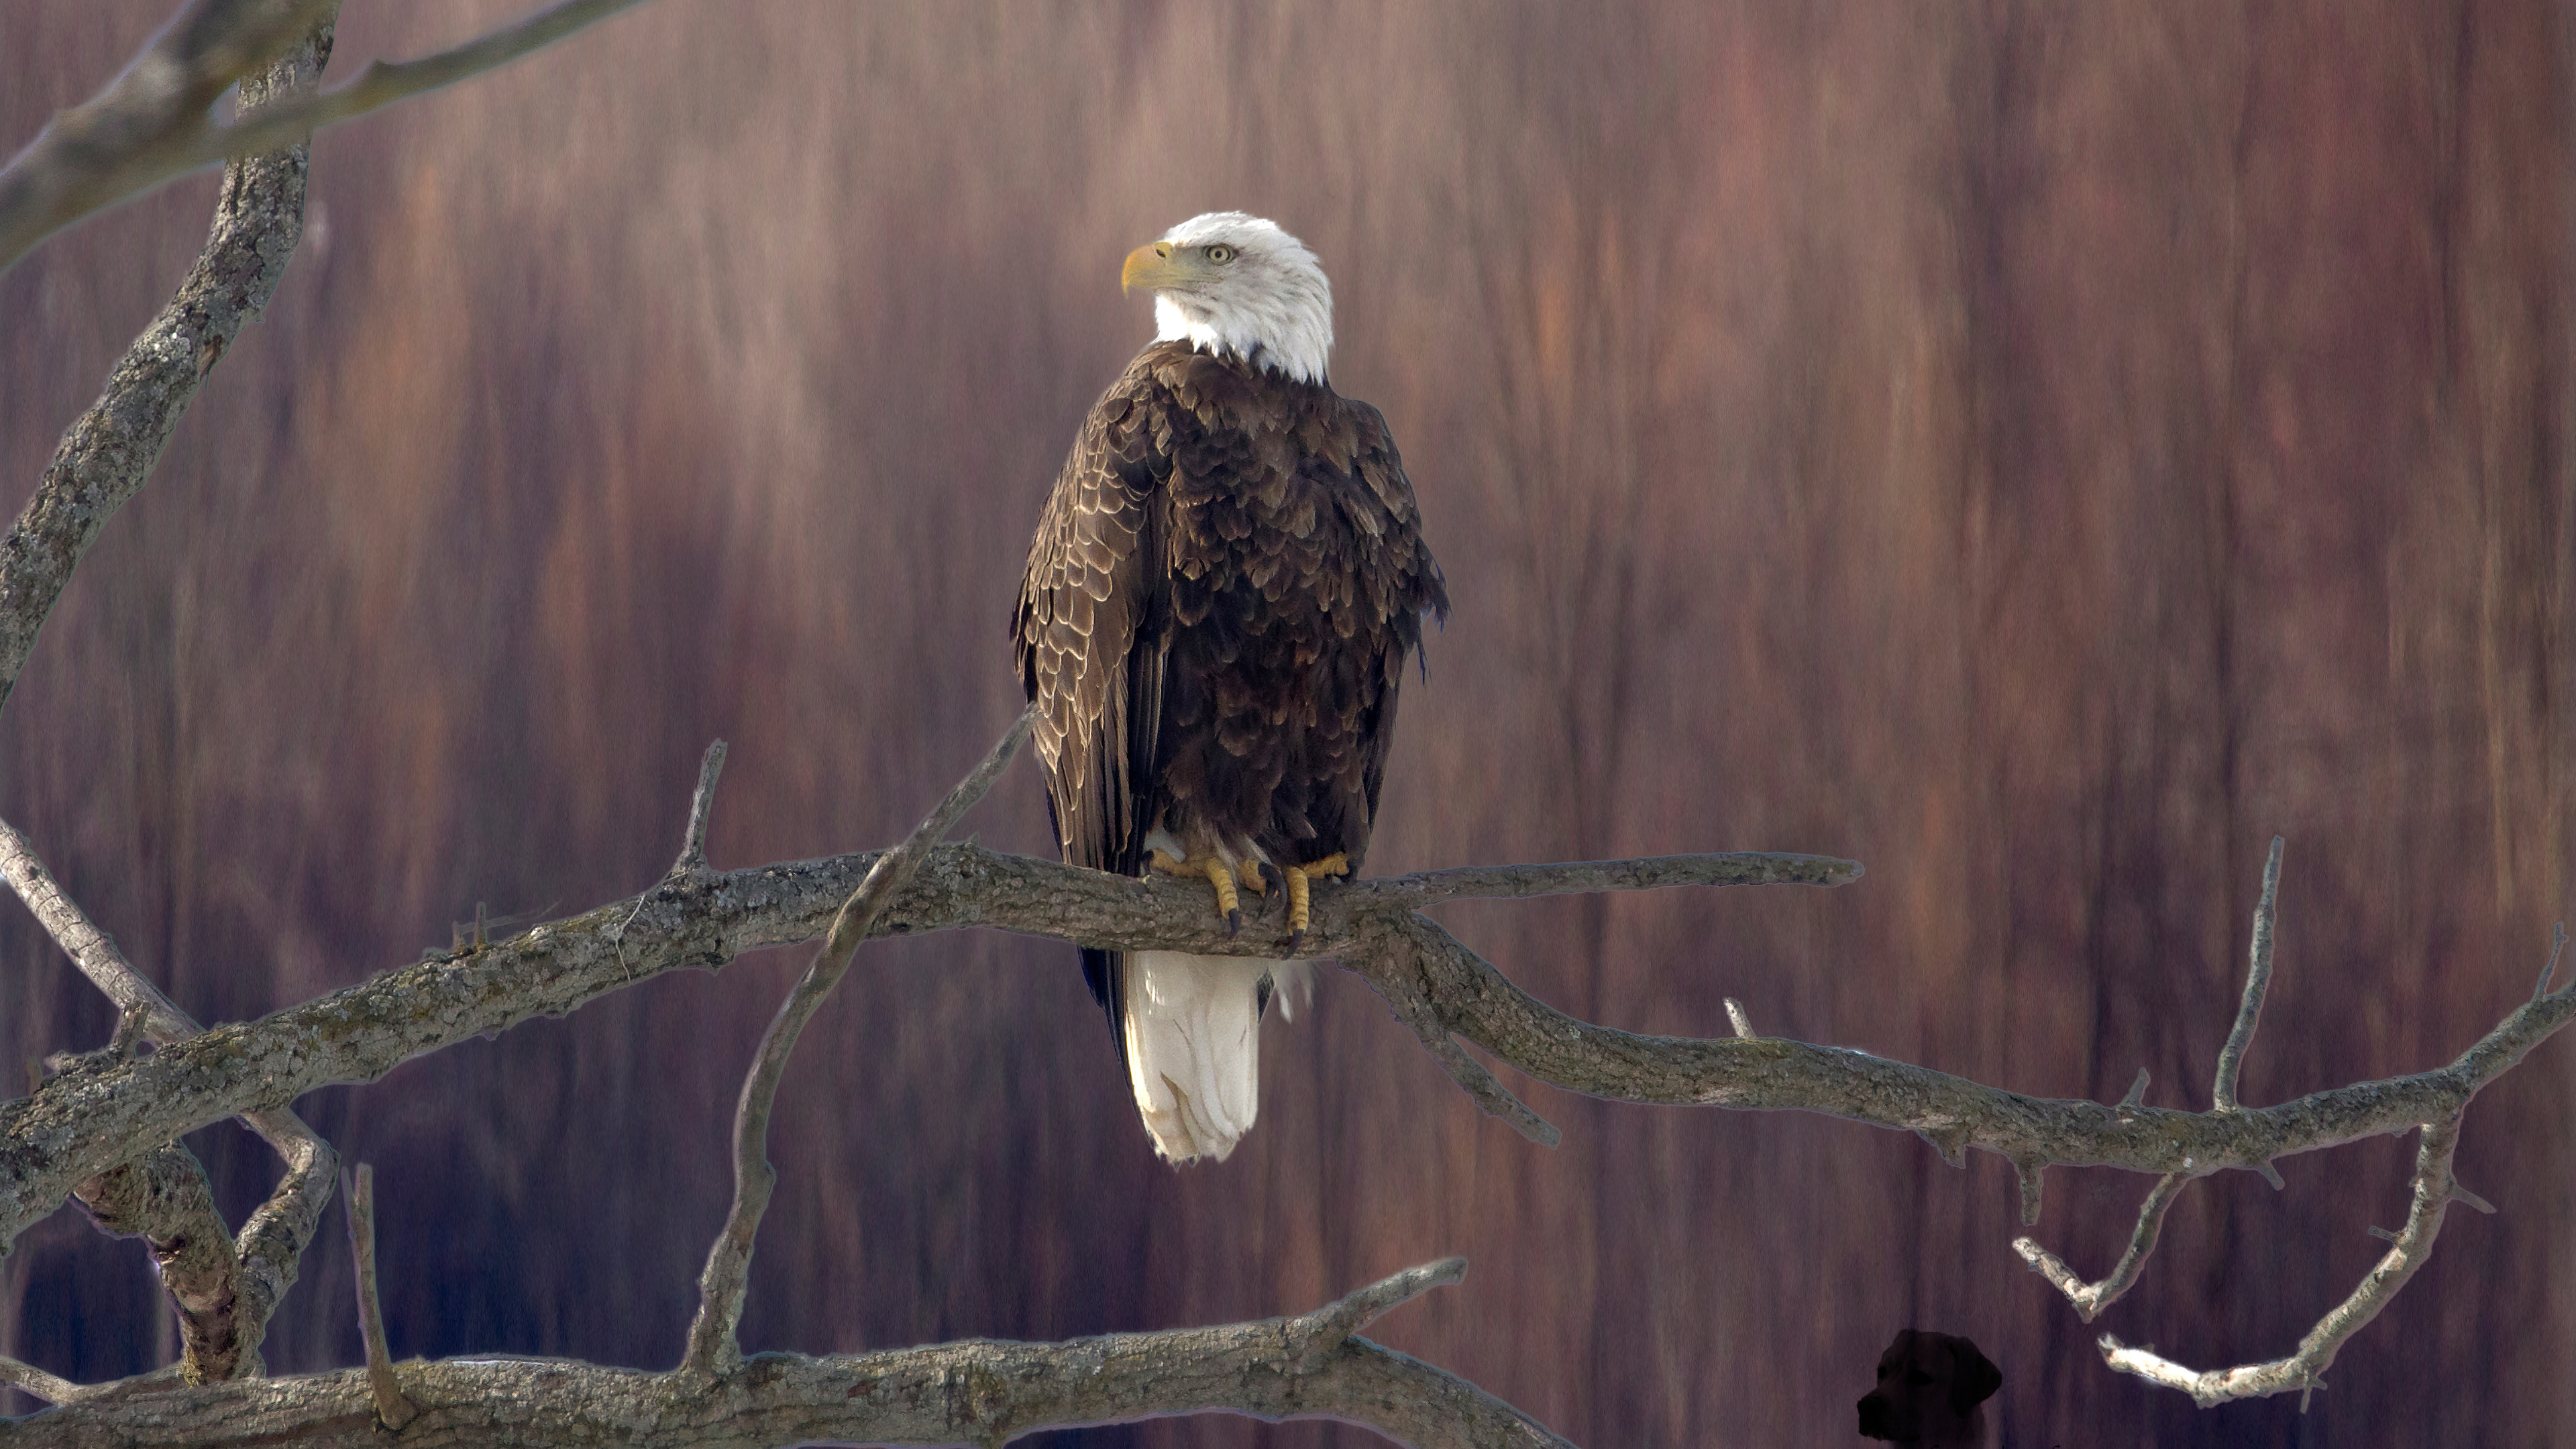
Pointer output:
x,y
1288,334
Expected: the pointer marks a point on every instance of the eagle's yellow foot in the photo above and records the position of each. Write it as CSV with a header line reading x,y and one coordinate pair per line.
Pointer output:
x,y
1300,892
1218,873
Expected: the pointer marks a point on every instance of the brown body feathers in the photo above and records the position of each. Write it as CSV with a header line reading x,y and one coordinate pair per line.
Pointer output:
x,y
1215,619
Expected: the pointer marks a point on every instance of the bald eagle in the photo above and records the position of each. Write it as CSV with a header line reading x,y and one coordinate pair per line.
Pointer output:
x,y
1217,610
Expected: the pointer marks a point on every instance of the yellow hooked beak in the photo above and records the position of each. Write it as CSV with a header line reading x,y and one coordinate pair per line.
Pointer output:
x,y
1157,265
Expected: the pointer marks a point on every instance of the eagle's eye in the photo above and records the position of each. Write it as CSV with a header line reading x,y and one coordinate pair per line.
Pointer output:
x,y
1220,253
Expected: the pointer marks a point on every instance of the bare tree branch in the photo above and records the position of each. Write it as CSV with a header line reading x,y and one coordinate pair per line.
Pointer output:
x,y
2258,979
713,1345
2433,1191
72,1128
162,1198
75,1127
223,1288
392,1409
1330,1324
31,1379
106,456
154,123
702,804
2091,1298
978,1391
1736,1017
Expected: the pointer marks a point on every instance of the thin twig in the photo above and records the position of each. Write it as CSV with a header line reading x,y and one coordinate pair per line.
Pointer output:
x,y
2258,979
693,849
1329,1325
153,123
2091,1298
714,1347
392,1409
2304,1371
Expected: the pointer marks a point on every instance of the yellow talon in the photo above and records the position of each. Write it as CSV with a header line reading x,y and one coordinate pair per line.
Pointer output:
x,y
1248,871
1301,891
1228,905
1216,872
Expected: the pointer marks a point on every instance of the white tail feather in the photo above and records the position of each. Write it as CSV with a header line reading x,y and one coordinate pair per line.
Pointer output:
x,y
1194,1046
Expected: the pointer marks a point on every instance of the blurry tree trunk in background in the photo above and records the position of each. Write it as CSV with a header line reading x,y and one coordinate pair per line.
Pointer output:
x,y
2042,452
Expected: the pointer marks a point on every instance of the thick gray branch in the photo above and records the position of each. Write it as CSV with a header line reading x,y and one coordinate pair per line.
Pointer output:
x,y
222,1290
75,1128
154,123
36,1381
162,1198
977,1392
106,456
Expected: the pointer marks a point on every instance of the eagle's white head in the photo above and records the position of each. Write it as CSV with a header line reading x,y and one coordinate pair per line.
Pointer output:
x,y
1236,285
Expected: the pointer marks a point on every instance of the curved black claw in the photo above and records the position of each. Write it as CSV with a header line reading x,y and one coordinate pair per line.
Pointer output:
x,y
1278,883
1295,940
1234,922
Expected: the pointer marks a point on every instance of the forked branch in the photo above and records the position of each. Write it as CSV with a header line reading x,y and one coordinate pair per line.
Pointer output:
x,y
223,1288
2434,1190
972,1392
155,122
713,1344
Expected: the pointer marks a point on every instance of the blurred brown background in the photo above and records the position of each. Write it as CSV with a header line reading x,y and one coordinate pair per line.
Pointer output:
x,y
2042,451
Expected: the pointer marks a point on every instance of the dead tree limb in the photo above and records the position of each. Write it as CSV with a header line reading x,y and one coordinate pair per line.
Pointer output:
x,y
155,122
223,1288
74,1126
105,457
2432,1191
714,1347
393,1411
2433,1186
971,1392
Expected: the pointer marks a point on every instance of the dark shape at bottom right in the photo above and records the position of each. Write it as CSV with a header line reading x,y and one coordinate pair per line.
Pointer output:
x,y
1931,1391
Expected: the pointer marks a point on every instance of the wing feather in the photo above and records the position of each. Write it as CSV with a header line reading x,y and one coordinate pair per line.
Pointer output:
x,y
1091,650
